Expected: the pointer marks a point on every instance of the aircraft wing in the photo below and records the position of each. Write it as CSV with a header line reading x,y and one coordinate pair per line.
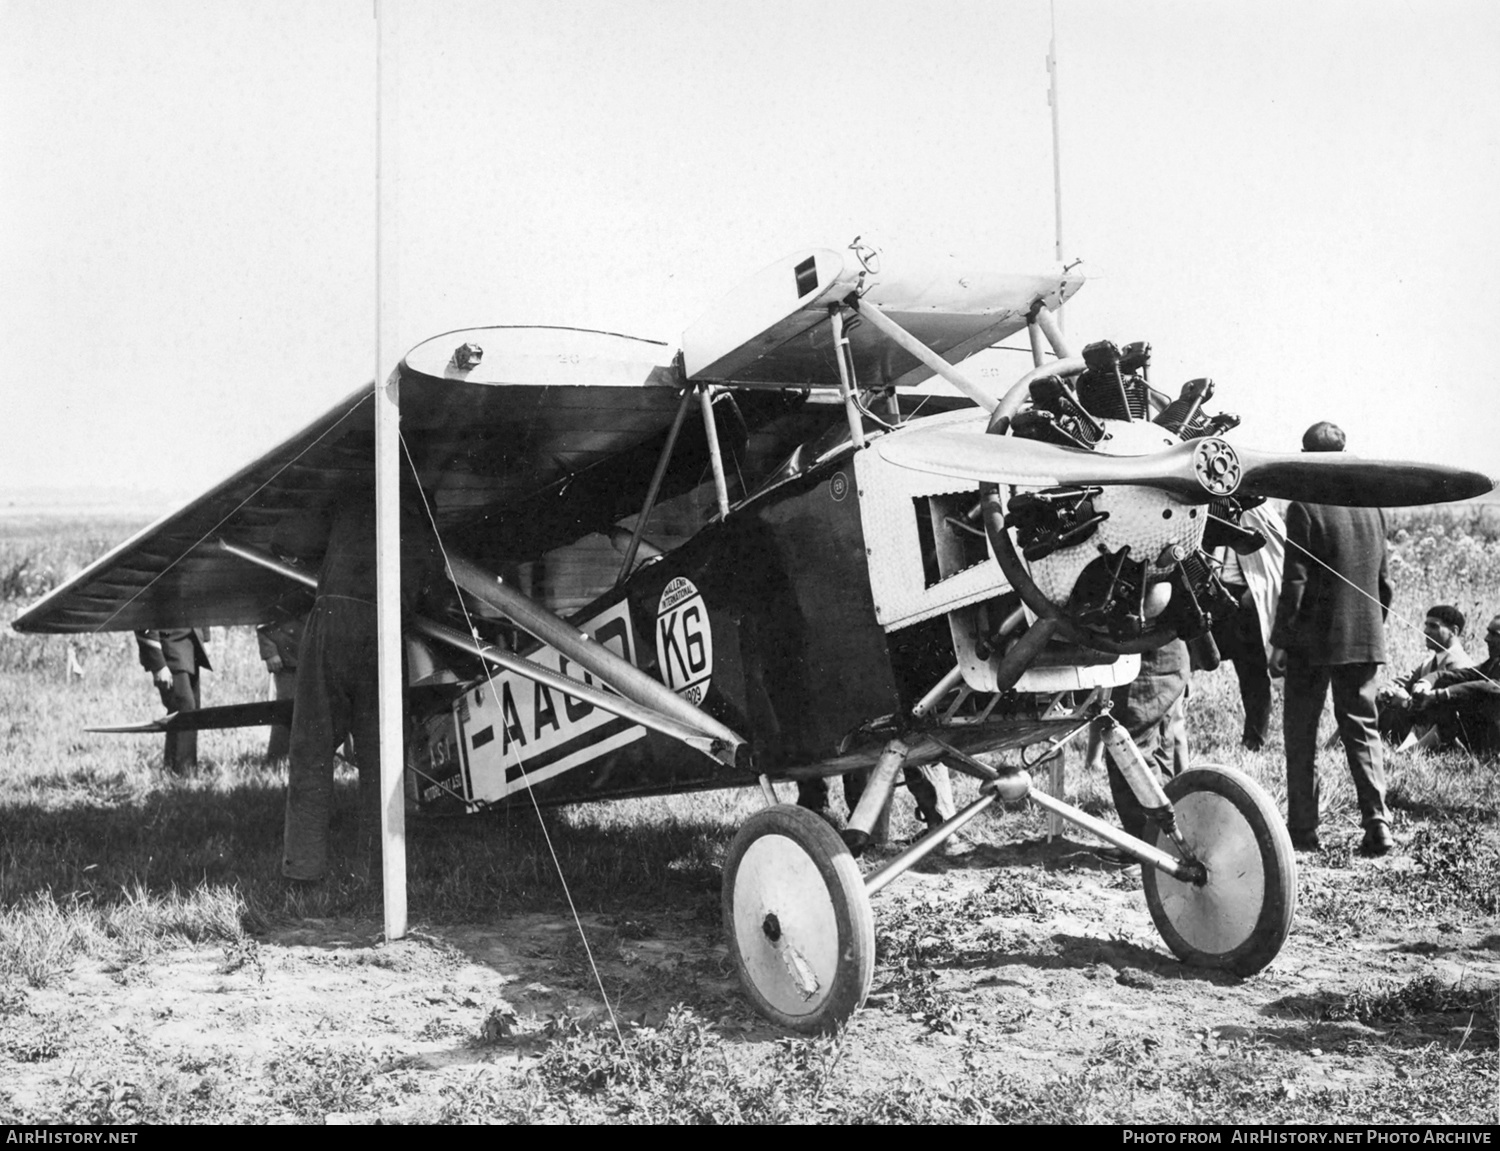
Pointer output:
x,y
770,330
529,439
554,434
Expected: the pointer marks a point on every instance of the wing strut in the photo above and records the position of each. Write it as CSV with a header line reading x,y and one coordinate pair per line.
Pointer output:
x,y
641,699
900,336
715,456
846,377
627,679
655,487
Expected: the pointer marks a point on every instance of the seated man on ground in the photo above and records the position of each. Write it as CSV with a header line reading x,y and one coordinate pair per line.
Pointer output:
x,y
1464,702
1399,721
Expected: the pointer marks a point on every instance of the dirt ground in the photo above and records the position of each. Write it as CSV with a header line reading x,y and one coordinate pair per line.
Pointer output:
x,y
1032,956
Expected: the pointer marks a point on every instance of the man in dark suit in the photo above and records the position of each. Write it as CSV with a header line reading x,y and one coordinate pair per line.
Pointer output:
x,y
337,693
1330,629
173,659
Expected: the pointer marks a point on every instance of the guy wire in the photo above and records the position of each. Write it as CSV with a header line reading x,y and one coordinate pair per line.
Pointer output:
x,y
230,514
1286,539
536,807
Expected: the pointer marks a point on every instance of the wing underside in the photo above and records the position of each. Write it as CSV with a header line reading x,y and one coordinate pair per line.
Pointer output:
x,y
528,440
524,459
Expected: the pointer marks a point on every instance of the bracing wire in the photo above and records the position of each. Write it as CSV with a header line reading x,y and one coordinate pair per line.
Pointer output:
x,y
535,806
227,516
473,631
1401,619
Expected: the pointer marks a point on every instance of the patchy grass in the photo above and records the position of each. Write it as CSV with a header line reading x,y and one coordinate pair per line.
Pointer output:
x,y
41,937
687,1072
107,864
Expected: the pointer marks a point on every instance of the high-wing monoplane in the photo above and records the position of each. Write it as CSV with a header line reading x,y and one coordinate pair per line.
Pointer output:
x,y
760,556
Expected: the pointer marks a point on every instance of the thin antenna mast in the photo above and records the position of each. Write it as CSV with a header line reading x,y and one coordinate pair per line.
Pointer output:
x,y
1052,102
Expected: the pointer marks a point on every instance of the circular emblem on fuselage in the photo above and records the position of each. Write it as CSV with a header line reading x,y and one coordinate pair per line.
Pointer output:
x,y
684,640
838,486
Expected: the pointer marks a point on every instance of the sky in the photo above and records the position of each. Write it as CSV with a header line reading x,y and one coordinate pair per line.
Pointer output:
x,y
1296,200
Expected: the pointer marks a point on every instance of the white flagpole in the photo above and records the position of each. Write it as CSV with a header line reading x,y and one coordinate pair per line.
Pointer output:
x,y
387,485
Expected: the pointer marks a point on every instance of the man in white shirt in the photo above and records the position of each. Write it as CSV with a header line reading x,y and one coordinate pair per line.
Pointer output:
x,y
1254,580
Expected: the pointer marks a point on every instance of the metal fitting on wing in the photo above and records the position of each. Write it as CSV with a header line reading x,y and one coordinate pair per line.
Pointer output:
x,y
465,356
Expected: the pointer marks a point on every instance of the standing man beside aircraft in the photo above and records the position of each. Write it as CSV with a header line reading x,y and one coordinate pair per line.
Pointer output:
x,y
1254,580
337,685
173,658
1330,630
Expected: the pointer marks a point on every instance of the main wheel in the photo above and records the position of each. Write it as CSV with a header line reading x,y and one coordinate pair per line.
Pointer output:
x,y
798,919
1238,919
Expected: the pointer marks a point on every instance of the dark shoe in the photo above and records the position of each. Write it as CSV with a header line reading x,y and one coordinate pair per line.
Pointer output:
x,y
1306,841
1252,743
1377,840
1116,855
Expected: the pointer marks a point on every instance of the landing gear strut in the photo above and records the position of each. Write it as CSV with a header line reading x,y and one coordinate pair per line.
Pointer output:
x,y
1221,889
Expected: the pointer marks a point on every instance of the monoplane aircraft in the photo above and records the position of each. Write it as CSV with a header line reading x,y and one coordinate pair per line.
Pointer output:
x,y
821,571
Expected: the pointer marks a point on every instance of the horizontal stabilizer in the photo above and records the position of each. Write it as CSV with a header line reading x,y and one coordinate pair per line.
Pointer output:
x,y
262,714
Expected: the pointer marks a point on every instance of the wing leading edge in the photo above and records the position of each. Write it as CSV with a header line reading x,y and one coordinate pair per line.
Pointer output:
x,y
528,439
553,438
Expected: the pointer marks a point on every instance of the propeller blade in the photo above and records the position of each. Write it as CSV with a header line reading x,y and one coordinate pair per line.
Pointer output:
x,y
1337,478
1032,463
1195,472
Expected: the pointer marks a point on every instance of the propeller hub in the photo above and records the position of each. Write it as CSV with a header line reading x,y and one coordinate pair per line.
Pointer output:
x,y
1217,467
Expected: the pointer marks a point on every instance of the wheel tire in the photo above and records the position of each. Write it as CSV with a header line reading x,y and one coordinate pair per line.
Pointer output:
x,y
798,920
1237,920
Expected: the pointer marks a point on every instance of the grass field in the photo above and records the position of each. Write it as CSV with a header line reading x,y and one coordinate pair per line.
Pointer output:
x,y
109,866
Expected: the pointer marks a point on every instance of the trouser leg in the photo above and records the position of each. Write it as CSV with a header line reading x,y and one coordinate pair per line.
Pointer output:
x,y
813,794
280,743
181,752
315,734
169,747
1240,642
1172,744
1131,814
931,788
1302,706
364,727
1354,708
1255,694
1393,720
1487,729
